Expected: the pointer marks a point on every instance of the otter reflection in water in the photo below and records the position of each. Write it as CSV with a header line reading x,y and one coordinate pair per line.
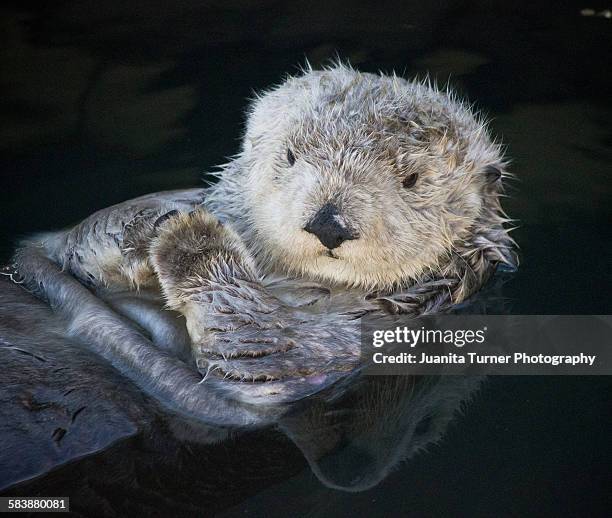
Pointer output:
x,y
354,442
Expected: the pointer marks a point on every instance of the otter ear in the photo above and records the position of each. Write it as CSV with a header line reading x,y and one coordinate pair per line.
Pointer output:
x,y
493,174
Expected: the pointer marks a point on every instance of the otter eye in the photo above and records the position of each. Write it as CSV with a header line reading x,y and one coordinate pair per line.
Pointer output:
x,y
290,157
410,180
492,174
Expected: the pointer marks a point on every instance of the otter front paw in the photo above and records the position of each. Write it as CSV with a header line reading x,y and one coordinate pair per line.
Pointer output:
x,y
221,330
290,349
193,253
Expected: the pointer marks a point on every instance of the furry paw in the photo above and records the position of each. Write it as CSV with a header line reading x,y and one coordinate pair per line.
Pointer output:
x,y
291,348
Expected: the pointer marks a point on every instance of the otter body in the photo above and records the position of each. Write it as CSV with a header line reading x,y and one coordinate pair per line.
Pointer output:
x,y
353,193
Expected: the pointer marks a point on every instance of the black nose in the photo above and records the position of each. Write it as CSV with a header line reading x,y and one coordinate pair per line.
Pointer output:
x,y
329,228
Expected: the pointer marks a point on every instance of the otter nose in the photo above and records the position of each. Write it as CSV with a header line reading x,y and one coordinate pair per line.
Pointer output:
x,y
329,227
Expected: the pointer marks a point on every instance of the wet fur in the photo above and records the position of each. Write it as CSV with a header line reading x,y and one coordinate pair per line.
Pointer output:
x,y
216,254
355,136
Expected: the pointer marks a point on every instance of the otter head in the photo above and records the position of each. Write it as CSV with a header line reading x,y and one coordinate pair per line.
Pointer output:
x,y
364,180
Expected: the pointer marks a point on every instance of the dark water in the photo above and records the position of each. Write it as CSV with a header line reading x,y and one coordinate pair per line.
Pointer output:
x,y
106,101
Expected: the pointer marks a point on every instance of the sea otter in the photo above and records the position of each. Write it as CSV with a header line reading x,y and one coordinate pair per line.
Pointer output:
x,y
352,193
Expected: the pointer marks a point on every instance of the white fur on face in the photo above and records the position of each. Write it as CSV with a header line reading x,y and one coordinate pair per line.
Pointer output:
x,y
355,138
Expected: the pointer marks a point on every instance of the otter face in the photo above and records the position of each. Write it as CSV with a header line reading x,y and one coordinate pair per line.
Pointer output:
x,y
362,180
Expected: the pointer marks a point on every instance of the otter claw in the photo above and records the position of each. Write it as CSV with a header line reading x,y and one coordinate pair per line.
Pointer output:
x,y
289,365
270,358
227,349
251,343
